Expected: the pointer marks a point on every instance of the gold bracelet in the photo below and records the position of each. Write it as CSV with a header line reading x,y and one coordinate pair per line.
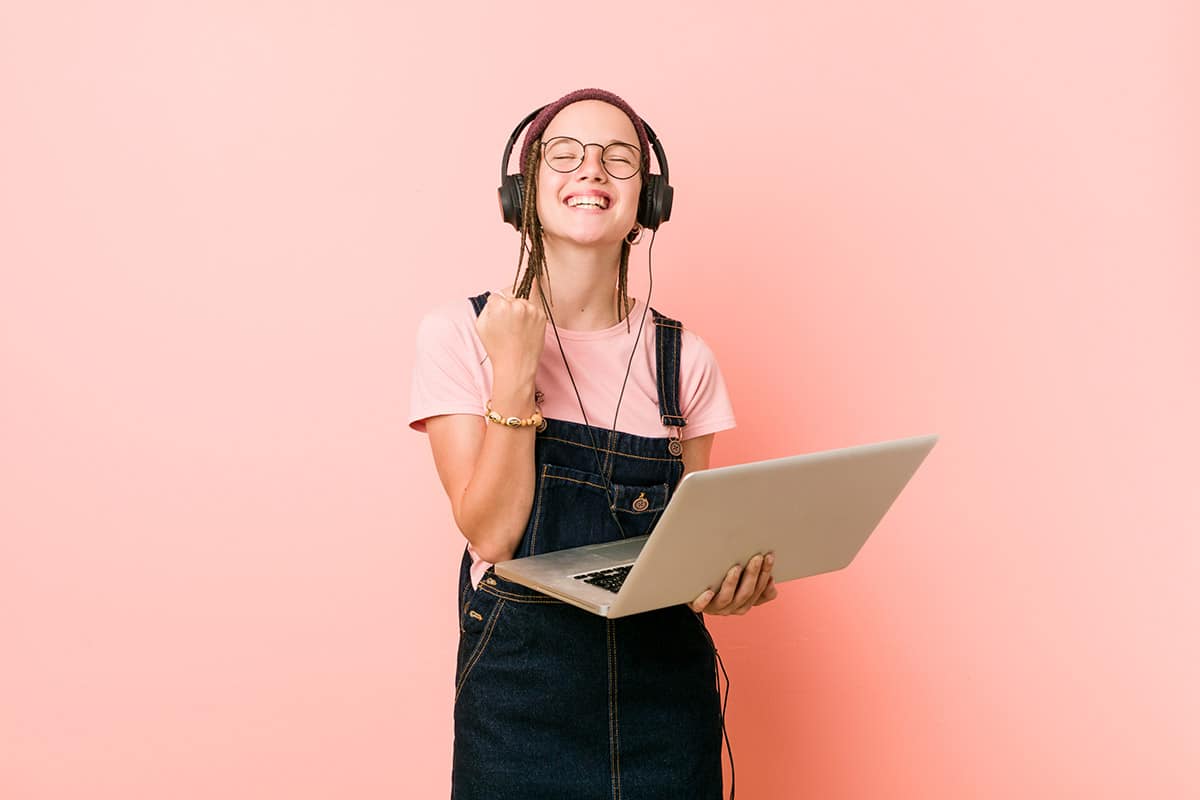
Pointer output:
x,y
534,421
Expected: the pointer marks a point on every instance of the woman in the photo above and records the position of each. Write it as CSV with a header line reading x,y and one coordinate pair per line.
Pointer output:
x,y
551,701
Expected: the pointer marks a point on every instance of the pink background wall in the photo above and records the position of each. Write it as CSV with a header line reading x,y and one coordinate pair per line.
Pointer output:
x,y
226,566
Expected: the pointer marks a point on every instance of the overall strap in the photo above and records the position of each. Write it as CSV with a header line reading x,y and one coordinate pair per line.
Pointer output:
x,y
669,334
478,302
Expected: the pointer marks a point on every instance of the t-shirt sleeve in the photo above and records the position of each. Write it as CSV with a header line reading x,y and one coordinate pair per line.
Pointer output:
x,y
703,395
444,377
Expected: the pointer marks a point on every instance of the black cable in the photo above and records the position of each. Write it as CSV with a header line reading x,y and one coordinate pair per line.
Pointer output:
x,y
724,705
608,486
612,501
641,323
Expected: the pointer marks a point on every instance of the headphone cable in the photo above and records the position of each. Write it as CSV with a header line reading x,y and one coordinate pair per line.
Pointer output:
x,y
628,368
608,487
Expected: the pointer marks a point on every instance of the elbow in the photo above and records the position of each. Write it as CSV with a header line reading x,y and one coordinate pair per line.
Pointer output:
x,y
493,530
492,553
488,542
490,545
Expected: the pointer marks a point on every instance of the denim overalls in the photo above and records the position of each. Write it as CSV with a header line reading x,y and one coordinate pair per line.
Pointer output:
x,y
554,702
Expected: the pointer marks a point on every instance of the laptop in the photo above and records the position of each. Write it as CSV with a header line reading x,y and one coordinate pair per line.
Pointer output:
x,y
814,511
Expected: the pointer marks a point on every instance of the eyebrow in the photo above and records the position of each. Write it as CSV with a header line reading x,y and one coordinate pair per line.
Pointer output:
x,y
576,138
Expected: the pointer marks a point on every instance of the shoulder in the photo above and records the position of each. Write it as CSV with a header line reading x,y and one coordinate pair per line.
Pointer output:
x,y
449,313
448,373
694,352
703,397
696,346
451,320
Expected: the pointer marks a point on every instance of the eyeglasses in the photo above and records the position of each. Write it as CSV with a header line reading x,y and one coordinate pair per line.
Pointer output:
x,y
620,160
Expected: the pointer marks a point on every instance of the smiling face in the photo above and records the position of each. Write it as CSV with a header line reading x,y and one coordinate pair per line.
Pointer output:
x,y
588,206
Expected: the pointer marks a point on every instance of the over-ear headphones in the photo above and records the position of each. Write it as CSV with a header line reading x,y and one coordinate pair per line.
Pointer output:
x,y
654,203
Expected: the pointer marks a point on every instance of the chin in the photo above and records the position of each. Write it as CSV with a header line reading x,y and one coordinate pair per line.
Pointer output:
x,y
605,235
586,238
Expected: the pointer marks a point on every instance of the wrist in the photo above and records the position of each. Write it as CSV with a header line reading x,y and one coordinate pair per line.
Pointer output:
x,y
513,397
533,421
514,405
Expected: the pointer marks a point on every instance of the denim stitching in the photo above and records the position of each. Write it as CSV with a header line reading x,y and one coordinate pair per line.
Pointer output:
x,y
474,659
664,320
462,605
537,508
614,744
623,455
668,382
640,488
611,760
647,510
572,480
663,408
608,453
675,372
617,711
518,598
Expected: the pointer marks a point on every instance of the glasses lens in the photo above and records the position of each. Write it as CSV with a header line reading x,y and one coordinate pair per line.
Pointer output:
x,y
622,160
563,154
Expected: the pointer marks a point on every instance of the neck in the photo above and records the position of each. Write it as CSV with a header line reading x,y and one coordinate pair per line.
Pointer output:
x,y
581,285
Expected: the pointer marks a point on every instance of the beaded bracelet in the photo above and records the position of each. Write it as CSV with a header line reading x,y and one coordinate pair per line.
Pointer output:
x,y
534,421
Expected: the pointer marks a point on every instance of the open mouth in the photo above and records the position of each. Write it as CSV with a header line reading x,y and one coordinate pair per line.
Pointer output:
x,y
588,201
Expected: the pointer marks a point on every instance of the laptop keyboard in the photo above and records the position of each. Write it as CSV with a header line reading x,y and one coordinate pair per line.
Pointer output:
x,y
610,579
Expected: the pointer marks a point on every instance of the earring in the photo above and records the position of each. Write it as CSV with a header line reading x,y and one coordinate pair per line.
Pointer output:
x,y
635,235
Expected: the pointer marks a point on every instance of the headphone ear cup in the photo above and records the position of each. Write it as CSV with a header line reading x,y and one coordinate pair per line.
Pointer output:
x,y
654,205
648,203
666,199
512,199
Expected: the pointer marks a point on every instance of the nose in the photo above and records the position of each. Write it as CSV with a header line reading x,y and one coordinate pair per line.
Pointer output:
x,y
593,162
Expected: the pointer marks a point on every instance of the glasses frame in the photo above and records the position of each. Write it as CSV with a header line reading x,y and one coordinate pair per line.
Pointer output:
x,y
603,150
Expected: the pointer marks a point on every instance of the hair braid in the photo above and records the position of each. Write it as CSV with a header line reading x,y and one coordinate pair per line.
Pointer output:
x,y
531,228
624,304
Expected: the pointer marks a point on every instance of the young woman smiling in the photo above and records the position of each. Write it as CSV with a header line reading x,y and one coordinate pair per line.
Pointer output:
x,y
516,390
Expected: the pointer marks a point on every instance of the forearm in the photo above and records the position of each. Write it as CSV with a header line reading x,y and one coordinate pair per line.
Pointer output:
x,y
493,509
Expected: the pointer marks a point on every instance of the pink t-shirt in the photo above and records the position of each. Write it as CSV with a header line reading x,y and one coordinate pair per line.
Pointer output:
x,y
452,375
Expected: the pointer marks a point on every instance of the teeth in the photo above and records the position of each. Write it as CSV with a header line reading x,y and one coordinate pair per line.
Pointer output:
x,y
595,202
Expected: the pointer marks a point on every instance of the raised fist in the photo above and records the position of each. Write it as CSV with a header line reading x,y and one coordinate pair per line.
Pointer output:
x,y
513,332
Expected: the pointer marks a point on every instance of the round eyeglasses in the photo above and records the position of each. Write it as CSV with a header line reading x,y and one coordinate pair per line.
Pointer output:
x,y
620,160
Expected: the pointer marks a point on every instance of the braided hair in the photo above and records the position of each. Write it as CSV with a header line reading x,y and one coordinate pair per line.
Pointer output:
x,y
532,243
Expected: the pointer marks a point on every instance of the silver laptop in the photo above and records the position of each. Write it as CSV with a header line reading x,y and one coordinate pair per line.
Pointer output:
x,y
813,511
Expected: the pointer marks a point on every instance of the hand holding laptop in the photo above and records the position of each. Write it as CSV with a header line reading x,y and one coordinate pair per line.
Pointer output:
x,y
741,590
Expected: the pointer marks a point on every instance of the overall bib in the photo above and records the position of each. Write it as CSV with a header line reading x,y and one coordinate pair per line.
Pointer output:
x,y
554,702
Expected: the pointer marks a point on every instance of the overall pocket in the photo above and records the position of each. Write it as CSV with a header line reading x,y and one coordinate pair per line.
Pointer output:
x,y
573,509
477,621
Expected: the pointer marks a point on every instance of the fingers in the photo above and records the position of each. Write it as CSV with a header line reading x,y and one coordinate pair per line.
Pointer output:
x,y
764,578
725,594
769,594
512,331
748,589
754,583
742,589
500,302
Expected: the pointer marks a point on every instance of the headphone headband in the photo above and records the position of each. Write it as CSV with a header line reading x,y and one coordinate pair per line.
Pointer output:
x,y
512,141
